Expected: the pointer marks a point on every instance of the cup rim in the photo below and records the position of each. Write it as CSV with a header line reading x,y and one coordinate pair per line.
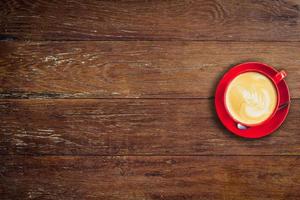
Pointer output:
x,y
277,99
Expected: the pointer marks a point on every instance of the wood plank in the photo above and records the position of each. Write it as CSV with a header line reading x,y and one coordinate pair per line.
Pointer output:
x,y
238,20
154,177
131,127
133,69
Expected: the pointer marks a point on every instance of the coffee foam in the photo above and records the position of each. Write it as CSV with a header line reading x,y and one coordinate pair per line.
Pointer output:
x,y
251,98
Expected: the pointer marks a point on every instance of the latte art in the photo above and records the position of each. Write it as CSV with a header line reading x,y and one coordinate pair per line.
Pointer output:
x,y
251,98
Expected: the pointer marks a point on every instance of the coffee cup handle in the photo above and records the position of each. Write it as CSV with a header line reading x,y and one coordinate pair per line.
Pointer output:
x,y
279,76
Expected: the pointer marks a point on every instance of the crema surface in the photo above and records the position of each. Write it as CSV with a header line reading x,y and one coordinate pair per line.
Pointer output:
x,y
251,98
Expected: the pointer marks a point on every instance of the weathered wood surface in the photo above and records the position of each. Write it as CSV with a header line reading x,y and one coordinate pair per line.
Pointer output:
x,y
131,127
154,177
110,116
150,20
133,69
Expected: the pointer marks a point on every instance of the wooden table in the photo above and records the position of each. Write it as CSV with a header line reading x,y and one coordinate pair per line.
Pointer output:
x,y
115,99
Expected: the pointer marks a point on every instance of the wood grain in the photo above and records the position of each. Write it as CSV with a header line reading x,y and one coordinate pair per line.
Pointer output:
x,y
133,69
155,177
238,20
131,127
114,99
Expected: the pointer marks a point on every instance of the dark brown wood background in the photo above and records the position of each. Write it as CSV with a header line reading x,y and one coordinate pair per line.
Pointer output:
x,y
115,99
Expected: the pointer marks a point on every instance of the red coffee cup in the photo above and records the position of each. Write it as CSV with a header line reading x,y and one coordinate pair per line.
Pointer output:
x,y
275,80
279,113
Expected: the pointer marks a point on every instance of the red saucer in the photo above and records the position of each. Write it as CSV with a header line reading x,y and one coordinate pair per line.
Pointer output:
x,y
265,128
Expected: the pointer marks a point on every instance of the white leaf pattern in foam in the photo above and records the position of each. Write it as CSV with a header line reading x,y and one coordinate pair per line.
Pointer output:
x,y
255,102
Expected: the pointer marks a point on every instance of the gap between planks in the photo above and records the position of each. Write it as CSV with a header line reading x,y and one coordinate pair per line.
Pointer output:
x,y
146,155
